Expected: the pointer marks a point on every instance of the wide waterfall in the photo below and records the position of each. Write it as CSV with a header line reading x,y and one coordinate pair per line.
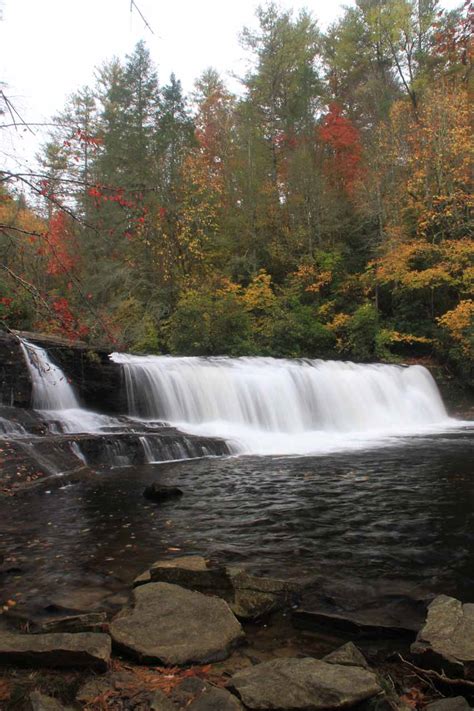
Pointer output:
x,y
271,406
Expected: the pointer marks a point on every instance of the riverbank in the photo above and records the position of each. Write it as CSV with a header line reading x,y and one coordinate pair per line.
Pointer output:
x,y
209,638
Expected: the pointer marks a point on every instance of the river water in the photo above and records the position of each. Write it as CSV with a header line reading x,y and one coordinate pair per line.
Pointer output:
x,y
392,518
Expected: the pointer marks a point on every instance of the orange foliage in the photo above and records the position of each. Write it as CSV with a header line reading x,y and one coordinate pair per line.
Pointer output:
x,y
343,138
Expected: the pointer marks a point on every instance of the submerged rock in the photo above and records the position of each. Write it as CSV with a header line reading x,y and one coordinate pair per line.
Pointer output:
x,y
348,656
86,649
303,684
160,492
172,625
447,639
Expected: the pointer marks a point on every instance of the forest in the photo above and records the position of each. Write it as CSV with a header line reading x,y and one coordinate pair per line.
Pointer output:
x,y
322,211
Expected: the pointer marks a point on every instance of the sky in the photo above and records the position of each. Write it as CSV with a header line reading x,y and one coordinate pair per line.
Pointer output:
x,y
50,48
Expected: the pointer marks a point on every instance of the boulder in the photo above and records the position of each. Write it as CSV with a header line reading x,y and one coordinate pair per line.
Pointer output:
x,y
300,684
446,641
41,702
86,649
171,625
161,493
455,703
348,656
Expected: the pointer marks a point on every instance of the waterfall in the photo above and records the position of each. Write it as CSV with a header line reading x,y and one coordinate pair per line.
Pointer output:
x,y
266,405
51,390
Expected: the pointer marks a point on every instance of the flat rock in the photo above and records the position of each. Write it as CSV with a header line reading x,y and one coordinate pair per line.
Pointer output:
x,y
172,625
447,639
303,684
84,649
455,703
41,702
88,622
190,571
194,576
348,656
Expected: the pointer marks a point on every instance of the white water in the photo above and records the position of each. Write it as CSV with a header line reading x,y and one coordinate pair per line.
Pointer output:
x,y
269,406
258,405
51,390
55,398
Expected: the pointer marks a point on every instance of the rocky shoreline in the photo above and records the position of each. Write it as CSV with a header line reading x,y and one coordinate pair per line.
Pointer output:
x,y
205,637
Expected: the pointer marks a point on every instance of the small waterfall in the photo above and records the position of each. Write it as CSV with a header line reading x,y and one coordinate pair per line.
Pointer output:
x,y
266,405
10,428
51,390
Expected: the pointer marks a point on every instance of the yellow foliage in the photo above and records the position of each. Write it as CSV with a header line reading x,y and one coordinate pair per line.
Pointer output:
x,y
459,323
259,296
313,279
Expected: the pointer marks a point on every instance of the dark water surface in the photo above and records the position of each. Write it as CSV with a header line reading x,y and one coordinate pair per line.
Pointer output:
x,y
394,518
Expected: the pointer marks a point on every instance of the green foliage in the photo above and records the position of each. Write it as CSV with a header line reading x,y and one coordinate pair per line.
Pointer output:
x,y
209,323
268,222
297,333
362,331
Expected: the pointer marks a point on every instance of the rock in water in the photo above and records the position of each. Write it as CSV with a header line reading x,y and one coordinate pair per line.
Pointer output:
x,y
86,649
171,625
447,639
160,493
303,684
177,569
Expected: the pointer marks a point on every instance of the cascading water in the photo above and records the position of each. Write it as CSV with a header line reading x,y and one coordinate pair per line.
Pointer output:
x,y
270,406
55,397
51,390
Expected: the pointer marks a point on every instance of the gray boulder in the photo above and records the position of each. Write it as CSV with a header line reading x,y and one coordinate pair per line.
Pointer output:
x,y
172,625
303,684
446,641
348,655
86,649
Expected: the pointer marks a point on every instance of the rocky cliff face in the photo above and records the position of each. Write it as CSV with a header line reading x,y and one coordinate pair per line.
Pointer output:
x,y
15,383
